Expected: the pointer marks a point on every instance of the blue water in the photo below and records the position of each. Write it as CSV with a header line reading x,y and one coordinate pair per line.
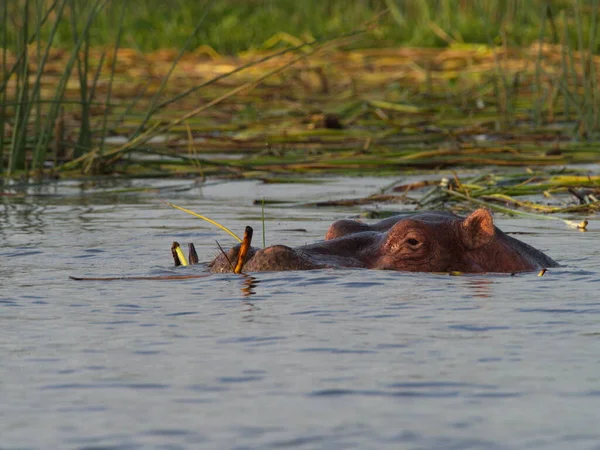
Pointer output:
x,y
321,359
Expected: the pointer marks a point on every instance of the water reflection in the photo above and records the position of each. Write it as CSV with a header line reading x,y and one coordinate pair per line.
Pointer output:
x,y
248,284
22,216
480,287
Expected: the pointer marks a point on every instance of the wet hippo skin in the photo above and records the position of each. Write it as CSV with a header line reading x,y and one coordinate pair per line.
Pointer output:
x,y
420,242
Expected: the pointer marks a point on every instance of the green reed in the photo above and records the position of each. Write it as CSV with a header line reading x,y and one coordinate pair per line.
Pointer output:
x,y
32,118
388,123
238,25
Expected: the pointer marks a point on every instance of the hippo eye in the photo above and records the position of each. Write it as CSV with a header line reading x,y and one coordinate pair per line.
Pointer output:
x,y
412,241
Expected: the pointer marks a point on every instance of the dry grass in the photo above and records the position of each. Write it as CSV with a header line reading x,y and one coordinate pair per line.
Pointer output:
x,y
330,111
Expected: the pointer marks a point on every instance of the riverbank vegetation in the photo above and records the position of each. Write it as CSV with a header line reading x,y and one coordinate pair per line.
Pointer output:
x,y
267,88
235,26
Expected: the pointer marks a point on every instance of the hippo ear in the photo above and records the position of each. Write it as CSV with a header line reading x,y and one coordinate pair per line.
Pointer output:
x,y
477,230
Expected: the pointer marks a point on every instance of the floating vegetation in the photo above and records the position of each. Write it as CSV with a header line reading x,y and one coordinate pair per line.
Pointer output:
x,y
537,194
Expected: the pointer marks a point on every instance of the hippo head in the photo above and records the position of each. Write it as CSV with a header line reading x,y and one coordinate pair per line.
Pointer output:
x,y
421,242
437,242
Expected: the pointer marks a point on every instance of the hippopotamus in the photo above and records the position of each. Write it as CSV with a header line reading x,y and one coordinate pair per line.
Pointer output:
x,y
418,242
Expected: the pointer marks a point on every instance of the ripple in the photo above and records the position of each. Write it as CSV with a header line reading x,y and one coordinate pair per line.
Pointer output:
x,y
256,339
561,310
95,442
316,281
239,379
360,284
113,447
18,254
468,327
380,393
497,394
106,386
440,384
381,316
206,388
193,401
590,393
94,250
90,408
335,350
447,442
297,442
114,322
319,312
43,360
171,432
183,313
383,346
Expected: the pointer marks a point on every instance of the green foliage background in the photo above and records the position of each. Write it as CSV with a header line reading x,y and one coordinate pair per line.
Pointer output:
x,y
232,26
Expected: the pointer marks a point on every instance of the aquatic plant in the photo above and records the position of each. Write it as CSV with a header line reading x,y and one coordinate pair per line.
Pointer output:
x,y
306,105
548,194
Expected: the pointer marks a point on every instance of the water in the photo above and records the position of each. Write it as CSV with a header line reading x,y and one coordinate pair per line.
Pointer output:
x,y
321,359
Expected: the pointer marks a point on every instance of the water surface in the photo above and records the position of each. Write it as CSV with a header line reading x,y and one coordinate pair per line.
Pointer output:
x,y
319,359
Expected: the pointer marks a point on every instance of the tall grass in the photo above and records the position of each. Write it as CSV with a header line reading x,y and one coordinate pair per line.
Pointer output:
x,y
4,72
240,25
36,122
34,118
577,83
